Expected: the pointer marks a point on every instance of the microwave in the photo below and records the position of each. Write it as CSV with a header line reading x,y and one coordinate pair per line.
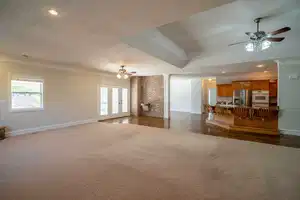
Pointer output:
x,y
260,96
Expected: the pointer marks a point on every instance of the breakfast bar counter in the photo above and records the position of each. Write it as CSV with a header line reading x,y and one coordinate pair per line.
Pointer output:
x,y
244,119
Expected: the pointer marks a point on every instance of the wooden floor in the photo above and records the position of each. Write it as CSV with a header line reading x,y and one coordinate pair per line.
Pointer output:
x,y
196,123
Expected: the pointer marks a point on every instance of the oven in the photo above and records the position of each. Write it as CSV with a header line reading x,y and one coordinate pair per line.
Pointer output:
x,y
260,98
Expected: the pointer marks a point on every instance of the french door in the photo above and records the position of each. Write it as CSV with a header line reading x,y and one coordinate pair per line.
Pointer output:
x,y
113,102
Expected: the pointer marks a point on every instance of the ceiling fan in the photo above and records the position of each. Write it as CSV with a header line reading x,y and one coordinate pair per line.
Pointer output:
x,y
261,40
122,73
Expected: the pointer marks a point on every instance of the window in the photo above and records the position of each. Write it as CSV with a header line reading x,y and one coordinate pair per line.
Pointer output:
x,y
26,94
103,101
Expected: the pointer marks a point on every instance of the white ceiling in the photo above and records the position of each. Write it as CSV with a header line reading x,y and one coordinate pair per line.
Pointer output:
x,y
205,36
146,35
238,71
87,33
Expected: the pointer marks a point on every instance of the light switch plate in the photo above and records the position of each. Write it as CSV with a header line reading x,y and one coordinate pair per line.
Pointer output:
x,y
294,77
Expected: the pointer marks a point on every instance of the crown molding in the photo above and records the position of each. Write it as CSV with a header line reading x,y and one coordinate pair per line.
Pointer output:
x,y
53,65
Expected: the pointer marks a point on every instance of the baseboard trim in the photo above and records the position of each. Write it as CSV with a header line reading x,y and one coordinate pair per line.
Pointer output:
x,y
49,127
184,111
188,112
290,132
199,113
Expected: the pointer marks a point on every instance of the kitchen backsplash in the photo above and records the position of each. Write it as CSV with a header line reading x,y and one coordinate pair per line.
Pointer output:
x,y
226,99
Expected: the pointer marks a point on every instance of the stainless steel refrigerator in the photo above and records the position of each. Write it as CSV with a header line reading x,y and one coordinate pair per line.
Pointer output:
x,y
242,97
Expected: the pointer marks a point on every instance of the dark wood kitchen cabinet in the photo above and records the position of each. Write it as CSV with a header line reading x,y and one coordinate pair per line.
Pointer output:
x,y
273,89
242,85
225,90
260,85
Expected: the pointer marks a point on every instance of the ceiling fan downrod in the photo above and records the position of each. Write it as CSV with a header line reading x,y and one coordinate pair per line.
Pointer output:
x,y
257,21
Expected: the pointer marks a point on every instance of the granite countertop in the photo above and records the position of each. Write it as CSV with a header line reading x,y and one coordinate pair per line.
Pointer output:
x,y
227,106
237,106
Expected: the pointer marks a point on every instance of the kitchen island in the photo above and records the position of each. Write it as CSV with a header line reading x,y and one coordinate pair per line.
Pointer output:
x,y
244,119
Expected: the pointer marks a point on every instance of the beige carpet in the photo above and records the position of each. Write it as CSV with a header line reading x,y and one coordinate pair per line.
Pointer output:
x,y
130,162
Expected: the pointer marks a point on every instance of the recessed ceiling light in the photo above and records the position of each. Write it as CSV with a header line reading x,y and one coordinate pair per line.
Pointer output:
x,y
53,12
259,66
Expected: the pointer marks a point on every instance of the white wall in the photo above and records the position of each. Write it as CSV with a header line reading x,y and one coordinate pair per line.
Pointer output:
x,y
166,96
206,85
196,95
68,96
212,96
185,94
289,98
180,94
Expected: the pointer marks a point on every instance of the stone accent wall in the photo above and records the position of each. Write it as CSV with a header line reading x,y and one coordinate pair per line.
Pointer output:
x,y
147,89
152,91
135,95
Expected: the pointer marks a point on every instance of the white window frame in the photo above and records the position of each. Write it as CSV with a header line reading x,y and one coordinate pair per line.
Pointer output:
x,y
28,79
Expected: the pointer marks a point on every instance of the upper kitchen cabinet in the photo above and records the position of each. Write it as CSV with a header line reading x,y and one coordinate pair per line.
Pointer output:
x,y
241,85
225,90
260,85
273,89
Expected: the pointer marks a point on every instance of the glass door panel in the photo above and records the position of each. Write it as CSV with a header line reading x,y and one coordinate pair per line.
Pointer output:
x,y
124,100
115,100
103,101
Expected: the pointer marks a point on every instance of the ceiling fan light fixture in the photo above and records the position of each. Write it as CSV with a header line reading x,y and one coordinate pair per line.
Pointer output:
x,y
53,12
122,73
261,40
250,47
265,45
258,46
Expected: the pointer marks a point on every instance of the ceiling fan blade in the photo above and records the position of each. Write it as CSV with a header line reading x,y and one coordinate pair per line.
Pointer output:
x,y
250,34
238,43
275,39
279,31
